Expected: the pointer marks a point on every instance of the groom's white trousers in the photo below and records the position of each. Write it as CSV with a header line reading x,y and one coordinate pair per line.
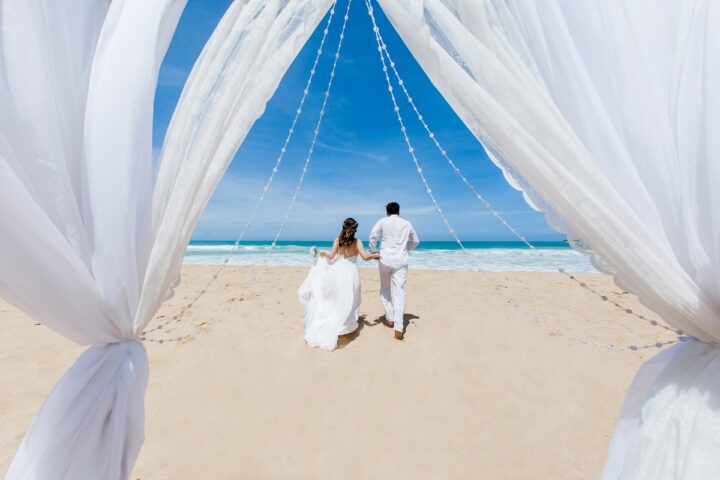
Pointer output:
x,y
392,293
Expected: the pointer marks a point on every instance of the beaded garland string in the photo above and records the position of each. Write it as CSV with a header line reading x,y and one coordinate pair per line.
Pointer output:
x,y
385,55
311,150
386,60
410,147
571,335
261,199
382,47
628,311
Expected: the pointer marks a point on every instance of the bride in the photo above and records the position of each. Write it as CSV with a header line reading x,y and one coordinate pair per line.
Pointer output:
x,y
331,290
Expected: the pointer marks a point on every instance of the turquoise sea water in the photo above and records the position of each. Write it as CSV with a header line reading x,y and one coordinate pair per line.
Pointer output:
x,y
437,255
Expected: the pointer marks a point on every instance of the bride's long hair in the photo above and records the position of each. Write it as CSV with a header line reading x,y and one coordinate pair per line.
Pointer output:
x,y
346,239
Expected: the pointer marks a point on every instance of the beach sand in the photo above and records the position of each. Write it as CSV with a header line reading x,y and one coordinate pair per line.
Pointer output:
x,y
477,390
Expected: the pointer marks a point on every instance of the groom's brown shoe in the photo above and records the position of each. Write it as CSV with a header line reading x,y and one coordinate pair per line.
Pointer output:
x,y
399,335
388,323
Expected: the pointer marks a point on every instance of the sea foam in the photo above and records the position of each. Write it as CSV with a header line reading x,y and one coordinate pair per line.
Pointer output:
x,y
488,256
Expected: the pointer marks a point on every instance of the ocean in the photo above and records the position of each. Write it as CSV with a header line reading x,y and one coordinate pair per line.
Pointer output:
x,y
489,256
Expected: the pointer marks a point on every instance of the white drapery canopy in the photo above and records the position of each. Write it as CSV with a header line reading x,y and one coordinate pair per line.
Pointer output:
x,y
606,114
76,87
90,246
602,112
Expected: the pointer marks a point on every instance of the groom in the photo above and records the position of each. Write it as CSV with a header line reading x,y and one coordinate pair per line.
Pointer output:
x,y
397,237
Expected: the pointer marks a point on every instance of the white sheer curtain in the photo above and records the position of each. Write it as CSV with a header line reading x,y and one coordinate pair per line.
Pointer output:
x,y
89,246
238,71
76,86
606,114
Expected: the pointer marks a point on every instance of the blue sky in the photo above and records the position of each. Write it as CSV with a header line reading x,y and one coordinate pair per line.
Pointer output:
x,y
361,161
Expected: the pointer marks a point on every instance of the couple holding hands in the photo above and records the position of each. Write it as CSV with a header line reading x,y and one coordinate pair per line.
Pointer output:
x,y
331,292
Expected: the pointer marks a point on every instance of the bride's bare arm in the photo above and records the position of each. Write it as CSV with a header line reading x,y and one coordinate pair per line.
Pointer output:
x,y
332,253
364,254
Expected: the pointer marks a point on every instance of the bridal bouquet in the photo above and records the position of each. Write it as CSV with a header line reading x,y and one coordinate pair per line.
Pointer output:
x,y
314,251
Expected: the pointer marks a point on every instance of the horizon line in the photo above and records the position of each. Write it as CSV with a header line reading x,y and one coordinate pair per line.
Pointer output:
x,y
564,240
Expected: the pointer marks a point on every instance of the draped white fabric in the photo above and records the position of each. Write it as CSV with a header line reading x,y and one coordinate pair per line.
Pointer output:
x,y
606,114
76,86
603,112
238,71
89,246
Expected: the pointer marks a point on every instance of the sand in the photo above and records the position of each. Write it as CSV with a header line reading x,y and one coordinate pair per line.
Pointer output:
x,y
477,390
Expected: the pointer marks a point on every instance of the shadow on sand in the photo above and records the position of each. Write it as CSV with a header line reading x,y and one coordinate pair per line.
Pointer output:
x,y
406,320
345,340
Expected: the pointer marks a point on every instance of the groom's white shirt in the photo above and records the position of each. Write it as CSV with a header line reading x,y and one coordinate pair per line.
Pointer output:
x,y
397,237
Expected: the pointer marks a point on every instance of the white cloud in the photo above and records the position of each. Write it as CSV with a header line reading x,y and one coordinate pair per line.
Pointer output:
x,y
353,152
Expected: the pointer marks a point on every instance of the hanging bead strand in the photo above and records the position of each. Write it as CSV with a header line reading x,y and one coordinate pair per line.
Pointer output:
x,y
384,50
410,148
382,47
311,150
261,199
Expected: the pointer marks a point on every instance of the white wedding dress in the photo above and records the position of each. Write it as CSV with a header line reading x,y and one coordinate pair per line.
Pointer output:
x,y
331,297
